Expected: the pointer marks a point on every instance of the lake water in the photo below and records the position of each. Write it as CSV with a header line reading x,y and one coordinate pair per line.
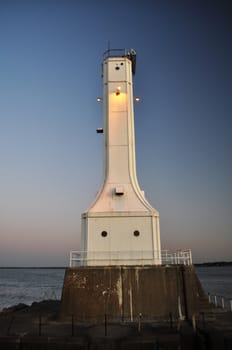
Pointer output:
x,y
216,280
29,285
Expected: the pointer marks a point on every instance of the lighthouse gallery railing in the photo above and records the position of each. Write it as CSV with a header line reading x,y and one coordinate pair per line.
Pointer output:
x,y
144,257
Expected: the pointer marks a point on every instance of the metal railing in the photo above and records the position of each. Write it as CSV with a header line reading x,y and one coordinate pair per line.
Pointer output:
x,y
116,53
179,257
130,54
143,257
220,301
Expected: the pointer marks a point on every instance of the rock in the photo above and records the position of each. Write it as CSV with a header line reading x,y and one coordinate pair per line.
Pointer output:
x,y
15,308
50,307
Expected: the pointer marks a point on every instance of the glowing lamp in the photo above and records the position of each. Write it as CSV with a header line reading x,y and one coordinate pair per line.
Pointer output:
x,y
118,91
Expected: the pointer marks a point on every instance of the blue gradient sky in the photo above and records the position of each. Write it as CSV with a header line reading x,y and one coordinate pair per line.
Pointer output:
x,y
50,154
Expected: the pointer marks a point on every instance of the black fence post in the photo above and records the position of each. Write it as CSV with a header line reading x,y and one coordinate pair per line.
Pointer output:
x,y
10,325
140,323
72,325
40,325
105,325
171,319
184,292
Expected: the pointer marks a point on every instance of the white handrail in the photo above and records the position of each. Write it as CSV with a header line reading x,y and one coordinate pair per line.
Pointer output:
x,y
143,257
220,301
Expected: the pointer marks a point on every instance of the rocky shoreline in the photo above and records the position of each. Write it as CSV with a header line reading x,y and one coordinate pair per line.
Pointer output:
x,y
50,307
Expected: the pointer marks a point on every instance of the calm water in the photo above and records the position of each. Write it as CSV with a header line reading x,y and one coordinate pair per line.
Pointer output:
x,y
28,285
216,280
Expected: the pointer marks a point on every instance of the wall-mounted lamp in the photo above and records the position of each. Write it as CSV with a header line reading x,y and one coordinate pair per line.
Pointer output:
x,y
98,99
137,98
118,91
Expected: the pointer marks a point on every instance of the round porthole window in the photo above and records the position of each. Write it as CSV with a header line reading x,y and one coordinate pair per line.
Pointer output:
x,y
117,68
104,233
136,233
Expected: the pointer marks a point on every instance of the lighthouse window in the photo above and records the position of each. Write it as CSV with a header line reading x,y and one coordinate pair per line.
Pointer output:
x,y
117,68
104,233
136,233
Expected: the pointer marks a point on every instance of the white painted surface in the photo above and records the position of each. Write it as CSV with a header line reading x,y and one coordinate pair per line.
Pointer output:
x,y
120,207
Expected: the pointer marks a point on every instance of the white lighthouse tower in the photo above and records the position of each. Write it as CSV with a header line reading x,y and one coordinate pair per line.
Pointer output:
x,y
119,271
120,227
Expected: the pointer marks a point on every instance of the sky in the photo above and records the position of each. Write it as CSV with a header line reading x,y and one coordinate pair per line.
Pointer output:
x,y
50,154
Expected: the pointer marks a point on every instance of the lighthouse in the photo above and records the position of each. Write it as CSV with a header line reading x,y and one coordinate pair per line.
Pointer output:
x,y
120,270
120,227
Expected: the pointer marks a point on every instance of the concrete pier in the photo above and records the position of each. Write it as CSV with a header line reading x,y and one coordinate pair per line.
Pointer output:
x,y
124,293
38,327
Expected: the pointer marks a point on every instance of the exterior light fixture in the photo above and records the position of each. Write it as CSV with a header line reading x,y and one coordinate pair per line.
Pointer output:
x,y
137,98
118,91
98,99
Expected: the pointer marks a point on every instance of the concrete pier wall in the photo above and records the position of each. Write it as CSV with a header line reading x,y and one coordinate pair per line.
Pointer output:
x,y
122,293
